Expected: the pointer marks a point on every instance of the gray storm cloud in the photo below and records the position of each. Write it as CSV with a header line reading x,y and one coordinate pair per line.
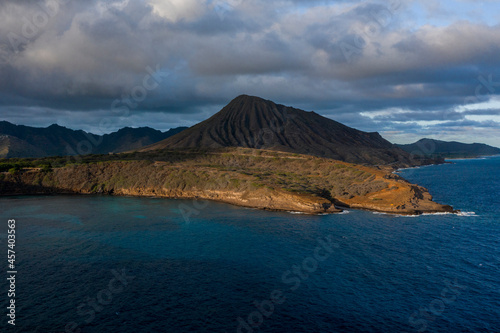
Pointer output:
x,y
68,61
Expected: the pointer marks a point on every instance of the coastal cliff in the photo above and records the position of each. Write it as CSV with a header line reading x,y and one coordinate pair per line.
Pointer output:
x,y
240,176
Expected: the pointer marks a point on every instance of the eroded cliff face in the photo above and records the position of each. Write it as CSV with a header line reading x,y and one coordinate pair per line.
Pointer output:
x,y
118,179
261,198
249,184
399,199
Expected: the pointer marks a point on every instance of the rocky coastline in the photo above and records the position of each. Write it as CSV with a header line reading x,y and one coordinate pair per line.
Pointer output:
x,y
373,189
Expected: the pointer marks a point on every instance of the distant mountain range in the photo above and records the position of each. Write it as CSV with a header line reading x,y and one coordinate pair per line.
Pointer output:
x,y
247,122
253,122
436,148
55,140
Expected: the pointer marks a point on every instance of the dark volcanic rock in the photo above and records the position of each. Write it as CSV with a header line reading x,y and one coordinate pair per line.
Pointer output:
x,y
253,122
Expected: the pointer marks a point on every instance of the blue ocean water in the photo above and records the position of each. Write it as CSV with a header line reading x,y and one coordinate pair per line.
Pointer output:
x,y
118,264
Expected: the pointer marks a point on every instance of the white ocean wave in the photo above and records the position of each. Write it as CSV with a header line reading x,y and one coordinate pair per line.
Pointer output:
x,y
403,169
459,213
439,213
467,214
319,214
380,213
415,167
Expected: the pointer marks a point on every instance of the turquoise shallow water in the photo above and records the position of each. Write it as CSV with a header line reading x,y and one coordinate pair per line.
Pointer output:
x,y
222,270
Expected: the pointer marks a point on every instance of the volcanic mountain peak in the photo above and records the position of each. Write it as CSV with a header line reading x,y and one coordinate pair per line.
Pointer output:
x,y
253,122
246,103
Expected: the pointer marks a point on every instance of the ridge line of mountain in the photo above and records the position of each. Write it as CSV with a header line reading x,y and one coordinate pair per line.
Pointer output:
x,y
449,149
253,122
55,140
247,121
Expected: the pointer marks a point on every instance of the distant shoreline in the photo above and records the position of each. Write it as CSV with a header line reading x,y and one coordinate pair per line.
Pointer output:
x,y
447,161
470,158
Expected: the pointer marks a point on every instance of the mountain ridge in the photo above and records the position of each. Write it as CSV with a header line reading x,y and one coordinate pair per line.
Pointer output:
x,y
448,149
253,122
56,140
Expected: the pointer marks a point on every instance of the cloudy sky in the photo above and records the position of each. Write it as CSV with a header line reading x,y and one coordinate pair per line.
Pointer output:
x,y
407,69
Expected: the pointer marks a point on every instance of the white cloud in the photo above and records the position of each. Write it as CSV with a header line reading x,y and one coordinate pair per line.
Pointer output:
x,y
176,10
492,103
284,50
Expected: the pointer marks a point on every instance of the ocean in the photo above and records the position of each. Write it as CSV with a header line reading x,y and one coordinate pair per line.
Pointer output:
x,y
121,264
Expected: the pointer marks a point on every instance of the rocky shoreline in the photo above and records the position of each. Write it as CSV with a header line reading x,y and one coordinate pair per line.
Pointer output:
x,y
382,192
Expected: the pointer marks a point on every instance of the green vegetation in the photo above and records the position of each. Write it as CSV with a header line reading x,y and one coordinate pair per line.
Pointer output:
x,y
15,169
7,166
45,167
